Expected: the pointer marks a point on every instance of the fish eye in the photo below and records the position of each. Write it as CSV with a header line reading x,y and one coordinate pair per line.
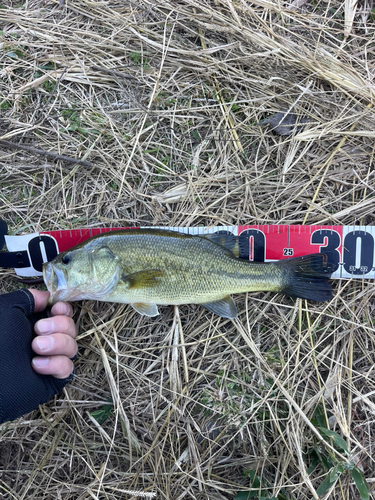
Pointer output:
x,y
66,259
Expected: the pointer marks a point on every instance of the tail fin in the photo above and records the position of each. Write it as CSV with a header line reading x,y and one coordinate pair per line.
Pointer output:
x,y
306,277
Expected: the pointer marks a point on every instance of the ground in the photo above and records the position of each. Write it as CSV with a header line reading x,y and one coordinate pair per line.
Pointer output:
x,y
165,100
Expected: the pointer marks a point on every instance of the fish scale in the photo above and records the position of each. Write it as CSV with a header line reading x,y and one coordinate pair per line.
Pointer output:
x,y
147,267
189,259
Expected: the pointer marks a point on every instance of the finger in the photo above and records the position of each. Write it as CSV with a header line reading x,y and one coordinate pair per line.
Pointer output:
x,y
57,366
41,299
55,344
56,324
62,309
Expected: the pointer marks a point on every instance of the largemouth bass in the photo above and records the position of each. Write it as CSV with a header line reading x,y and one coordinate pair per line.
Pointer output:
x,y
150,267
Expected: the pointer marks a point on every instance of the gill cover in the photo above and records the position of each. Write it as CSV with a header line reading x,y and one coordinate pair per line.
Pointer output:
x,y
105,273
84,273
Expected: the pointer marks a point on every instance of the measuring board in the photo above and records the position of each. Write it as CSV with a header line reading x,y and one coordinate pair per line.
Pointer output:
x,y
349,249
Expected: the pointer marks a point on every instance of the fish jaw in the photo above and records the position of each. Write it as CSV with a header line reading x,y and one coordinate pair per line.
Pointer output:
x,y
57,285
55,281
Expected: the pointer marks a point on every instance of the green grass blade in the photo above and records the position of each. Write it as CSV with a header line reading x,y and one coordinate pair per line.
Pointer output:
x,y
330,480
339,442
361,483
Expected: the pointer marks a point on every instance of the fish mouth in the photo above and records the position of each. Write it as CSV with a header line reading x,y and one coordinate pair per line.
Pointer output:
x,y
55,281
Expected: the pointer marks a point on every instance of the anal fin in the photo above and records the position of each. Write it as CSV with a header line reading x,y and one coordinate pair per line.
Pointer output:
x,y
225,307
145,309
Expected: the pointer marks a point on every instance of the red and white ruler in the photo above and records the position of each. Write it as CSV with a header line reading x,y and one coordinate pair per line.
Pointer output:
x,y
349,248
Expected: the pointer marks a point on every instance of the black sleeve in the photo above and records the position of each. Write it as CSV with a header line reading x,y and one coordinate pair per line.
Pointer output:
x,y
21,388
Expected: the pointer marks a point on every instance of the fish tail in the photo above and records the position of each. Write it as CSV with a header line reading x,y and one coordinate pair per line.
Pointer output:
x,y
306,277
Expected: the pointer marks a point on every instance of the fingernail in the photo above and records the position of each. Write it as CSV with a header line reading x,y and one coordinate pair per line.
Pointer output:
x,y
61,309
45,326
45,343
40,362
65,309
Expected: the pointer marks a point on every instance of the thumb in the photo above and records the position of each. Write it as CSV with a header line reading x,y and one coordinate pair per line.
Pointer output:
x,y
41,299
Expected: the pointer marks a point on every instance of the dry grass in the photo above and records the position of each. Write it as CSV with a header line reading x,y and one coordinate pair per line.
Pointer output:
x,y
164,99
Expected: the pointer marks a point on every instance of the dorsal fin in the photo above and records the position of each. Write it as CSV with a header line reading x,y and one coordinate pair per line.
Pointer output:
x,y
225,240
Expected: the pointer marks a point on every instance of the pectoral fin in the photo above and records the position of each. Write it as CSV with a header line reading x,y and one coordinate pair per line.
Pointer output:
x,y
225,307
143,279
146,309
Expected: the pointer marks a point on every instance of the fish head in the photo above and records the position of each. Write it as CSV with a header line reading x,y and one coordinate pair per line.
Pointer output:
x,y
82,273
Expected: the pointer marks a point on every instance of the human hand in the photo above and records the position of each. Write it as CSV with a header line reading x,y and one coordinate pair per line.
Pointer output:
x,y
55,342
28,380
